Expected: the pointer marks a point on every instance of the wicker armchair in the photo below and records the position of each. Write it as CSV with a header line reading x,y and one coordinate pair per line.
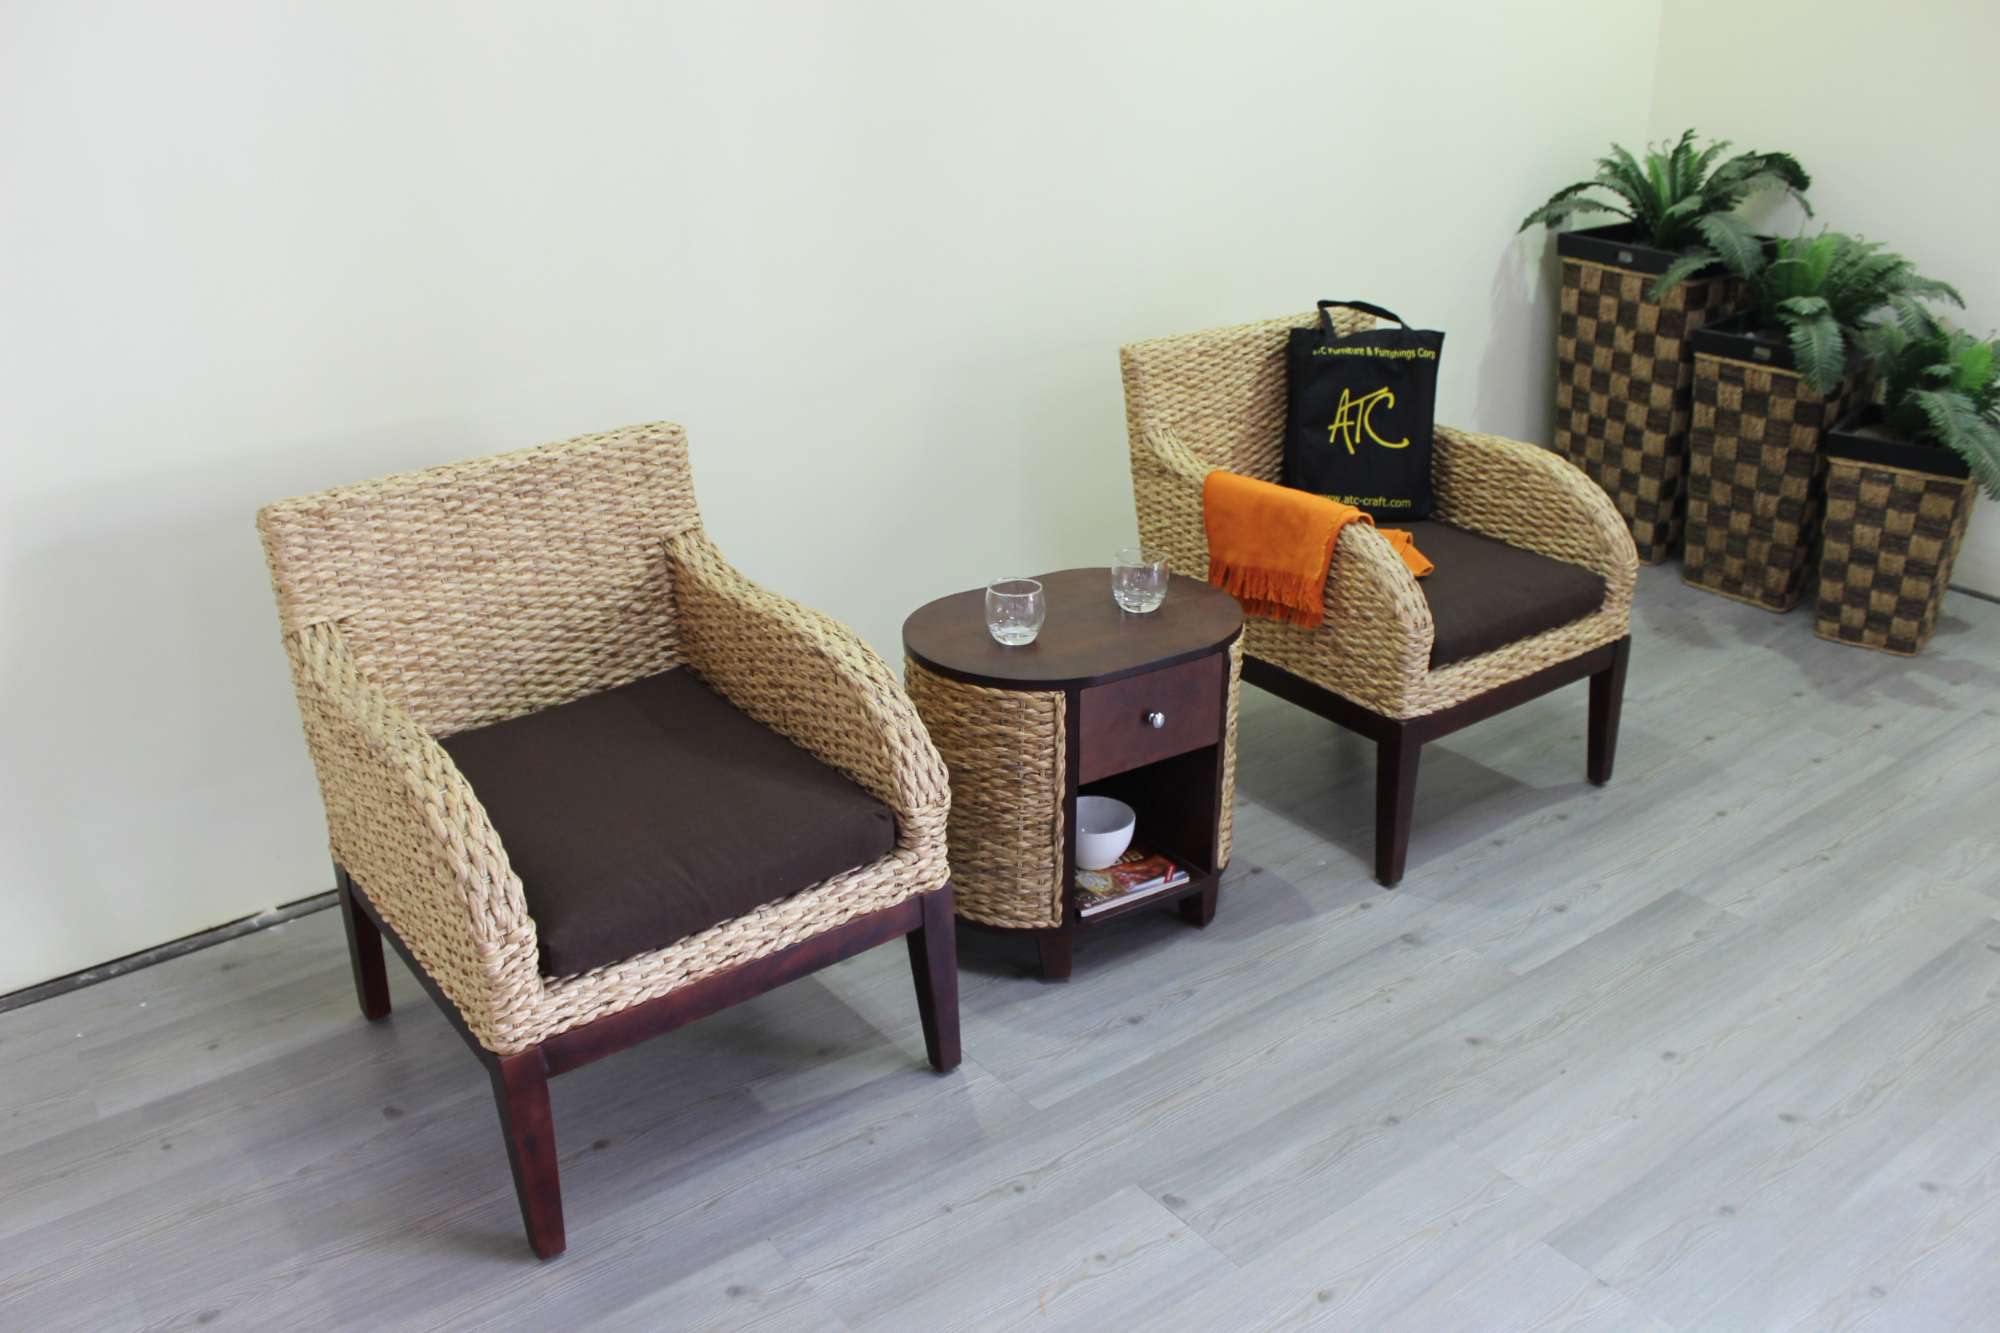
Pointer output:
x,y
426,614
1382,663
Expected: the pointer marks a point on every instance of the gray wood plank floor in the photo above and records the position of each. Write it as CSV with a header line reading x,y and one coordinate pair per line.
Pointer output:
x,y
1716,1047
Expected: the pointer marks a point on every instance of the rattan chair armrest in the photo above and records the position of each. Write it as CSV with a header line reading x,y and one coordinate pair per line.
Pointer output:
x,y
1166,486
811,679
1377,625
405,824
1528,497
1378,628
1176,458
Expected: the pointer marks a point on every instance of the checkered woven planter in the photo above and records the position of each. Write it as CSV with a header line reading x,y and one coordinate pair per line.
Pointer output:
x,y
1624,379
1756,480
1892,533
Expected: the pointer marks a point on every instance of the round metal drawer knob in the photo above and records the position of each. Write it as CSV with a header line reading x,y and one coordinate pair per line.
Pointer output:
x,y
1156,719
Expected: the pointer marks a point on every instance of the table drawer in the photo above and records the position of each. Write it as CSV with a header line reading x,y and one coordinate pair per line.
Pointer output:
x,y
1115,724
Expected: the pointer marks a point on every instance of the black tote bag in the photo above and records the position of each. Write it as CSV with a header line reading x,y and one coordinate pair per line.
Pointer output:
x,y
1358,425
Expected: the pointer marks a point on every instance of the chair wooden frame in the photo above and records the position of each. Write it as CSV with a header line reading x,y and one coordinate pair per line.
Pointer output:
x,y
521,1080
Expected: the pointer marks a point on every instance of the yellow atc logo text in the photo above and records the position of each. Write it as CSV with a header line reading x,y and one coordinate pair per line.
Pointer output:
x,y
1354,419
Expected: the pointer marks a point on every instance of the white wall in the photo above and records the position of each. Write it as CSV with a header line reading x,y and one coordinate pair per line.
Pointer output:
x,y
877,257
1890,107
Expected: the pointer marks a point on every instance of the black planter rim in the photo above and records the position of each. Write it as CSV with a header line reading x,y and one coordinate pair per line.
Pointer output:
x,y
1613,247
1738,339
1846,441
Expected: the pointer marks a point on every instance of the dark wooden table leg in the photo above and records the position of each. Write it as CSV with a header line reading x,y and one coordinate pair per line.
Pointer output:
x,y
1199,909
1053,946
364,951
521,1088
1607,697
1395,803
934,963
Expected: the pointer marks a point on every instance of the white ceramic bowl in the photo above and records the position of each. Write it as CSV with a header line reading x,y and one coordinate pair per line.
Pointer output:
x,y
1103,830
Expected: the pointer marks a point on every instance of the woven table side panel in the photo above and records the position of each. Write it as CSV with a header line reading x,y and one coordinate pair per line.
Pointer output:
x,y
1225,833
1624,380
480,591
1005,751
1756,480
1892,536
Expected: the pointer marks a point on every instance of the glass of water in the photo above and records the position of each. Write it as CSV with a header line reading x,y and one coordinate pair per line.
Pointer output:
x,y
1014,610
1139,578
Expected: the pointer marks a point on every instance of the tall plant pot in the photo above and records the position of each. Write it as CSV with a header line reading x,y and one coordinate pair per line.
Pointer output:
x,y
1756,478
1895,519
1624,375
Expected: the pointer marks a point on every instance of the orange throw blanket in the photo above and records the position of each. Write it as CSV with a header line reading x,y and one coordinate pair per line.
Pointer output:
x,y
1270,546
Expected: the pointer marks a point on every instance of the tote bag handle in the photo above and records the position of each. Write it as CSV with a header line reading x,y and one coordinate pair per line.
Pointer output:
x,y
1326,320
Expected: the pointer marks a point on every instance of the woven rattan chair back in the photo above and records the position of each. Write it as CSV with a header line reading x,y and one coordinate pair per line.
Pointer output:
x,y
1221,392
480,591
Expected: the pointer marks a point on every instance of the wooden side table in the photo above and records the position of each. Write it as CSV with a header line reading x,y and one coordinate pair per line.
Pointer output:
x,y
1140,707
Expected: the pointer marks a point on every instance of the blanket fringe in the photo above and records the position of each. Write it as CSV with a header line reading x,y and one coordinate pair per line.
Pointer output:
x,y
1287,597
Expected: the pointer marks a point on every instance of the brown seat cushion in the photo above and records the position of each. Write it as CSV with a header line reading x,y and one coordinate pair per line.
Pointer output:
x,y
645,814
1486,594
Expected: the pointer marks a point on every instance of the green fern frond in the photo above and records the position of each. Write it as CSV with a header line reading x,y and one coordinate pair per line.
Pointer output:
x,y
1662,184
1623,173
1668,193
1942,386
1972,367
1679,159
1930,289
1687,207
1678,272
1884,343
1819,350
1911,318
1748,171
1704,162
1731,238
1565,202
1556,214
1958,425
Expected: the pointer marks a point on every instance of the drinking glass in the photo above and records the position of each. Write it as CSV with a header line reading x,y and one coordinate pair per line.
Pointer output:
x,y
1014,610
1139,578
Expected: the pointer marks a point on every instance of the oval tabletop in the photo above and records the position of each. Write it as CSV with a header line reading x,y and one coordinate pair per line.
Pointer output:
x,y
1086,639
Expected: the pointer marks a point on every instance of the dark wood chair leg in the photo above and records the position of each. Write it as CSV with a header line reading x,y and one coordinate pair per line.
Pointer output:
x,y
1395,803
934,963
1199,909
364,951
521,1088
1053,946
1607,697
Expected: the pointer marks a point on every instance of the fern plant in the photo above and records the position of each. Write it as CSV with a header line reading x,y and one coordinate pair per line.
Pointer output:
x,y
1817,291
1941,386
1676,195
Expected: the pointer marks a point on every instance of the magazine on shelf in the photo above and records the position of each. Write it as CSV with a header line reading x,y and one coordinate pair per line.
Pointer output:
x,y
1136,874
